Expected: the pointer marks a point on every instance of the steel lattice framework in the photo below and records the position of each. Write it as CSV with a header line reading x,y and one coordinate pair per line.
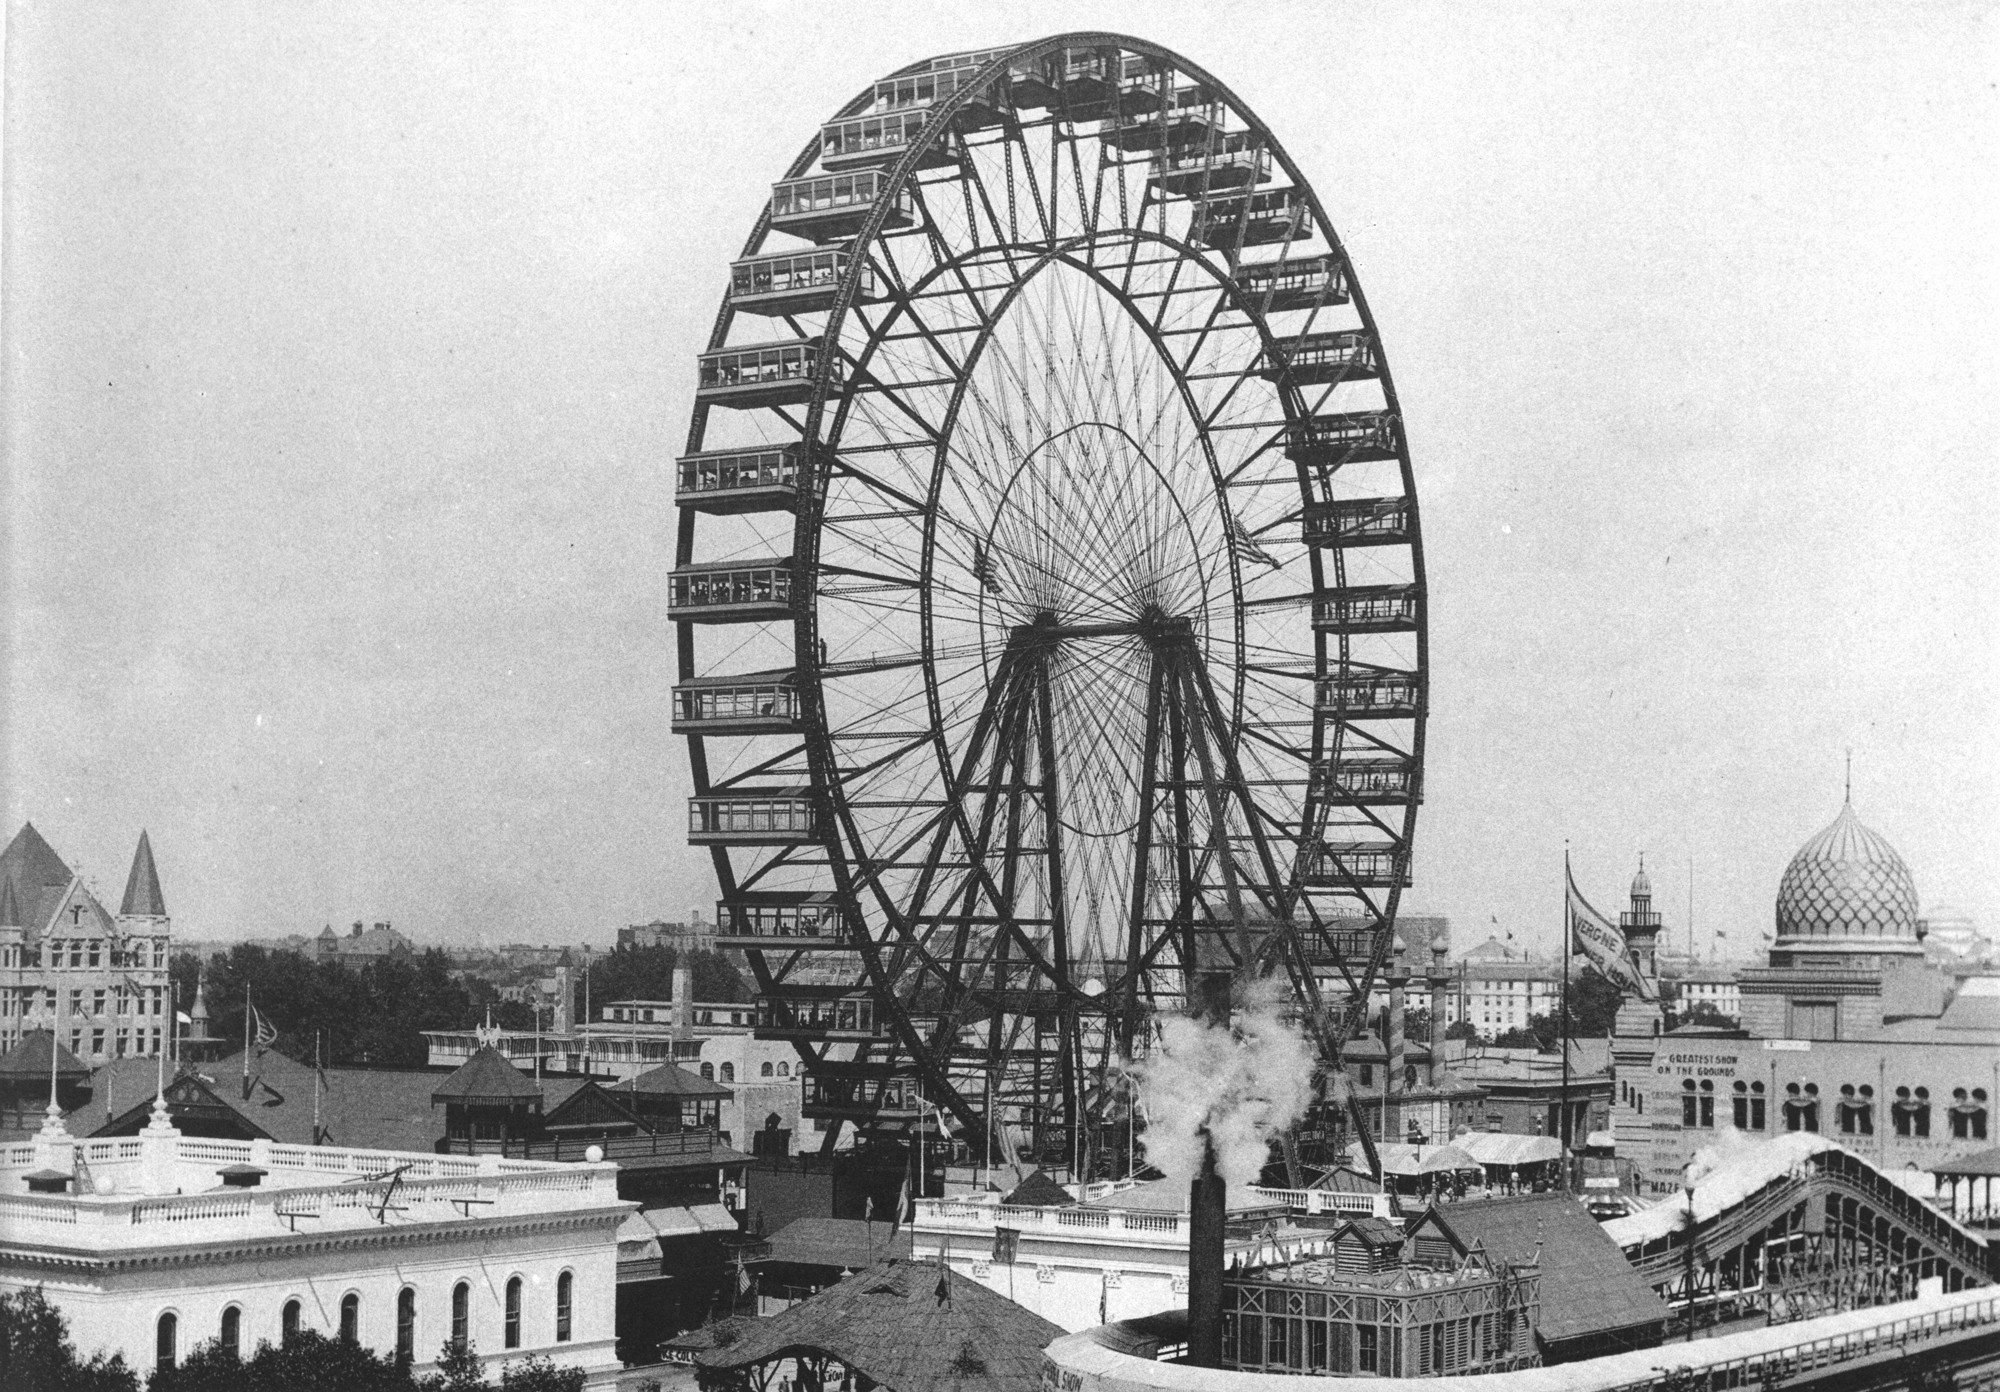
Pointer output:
x,y
1049,591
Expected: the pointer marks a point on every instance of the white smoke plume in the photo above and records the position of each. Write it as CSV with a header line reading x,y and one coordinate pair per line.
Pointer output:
x,y
1242,1084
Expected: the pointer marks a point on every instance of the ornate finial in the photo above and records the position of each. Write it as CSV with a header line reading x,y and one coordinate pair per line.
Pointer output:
x,y
1849,799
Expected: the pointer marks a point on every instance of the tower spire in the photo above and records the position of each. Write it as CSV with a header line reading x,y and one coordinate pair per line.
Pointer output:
x,y
1849,797
142,886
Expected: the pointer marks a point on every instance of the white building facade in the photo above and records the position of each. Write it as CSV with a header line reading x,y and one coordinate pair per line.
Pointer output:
x,y
177,1241
1085,1265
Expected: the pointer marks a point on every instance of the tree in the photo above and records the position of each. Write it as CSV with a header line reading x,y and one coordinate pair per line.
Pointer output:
x,y
184,971
374,1015
647,973
1462,1029
1701,1013
1538,1033
306,1362
1417,1025
538,1374
37,1356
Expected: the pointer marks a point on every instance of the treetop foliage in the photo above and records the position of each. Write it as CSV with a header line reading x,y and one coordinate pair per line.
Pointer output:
x,y
37,1356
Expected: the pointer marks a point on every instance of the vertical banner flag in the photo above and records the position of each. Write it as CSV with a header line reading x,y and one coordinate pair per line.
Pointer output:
x,y
1599,939
1006,1242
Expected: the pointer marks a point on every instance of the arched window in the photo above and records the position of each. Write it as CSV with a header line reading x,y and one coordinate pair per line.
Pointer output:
x,y
461,1316
406,1324
1911,1111
766,1071
1747,1107
784,1070
1968,1114
288,1322
708,1071
350,1318
1708,1103
1690,1107
231,1335
513,1325
1857,1110
565,1288
728,1072
167,1343
1802,1107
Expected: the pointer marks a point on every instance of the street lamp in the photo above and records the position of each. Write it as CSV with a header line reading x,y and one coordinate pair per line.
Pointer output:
x,y
1687,1188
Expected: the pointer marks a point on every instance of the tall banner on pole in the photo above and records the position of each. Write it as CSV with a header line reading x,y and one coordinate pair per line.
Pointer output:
x,y
1599,939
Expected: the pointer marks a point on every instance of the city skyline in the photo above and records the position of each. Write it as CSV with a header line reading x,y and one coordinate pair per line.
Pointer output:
x,y
343,397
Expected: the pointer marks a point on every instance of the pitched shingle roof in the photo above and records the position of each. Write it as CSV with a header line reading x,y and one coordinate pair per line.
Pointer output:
x,y
487,1076
30,1058
142,886
1587,1285
37,873
671,1080
888,1323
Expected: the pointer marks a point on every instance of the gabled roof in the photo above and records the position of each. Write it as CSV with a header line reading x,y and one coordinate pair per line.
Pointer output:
x,y
1375,1232
369,1108
671,1080
487,1076
1981,1162
890,1324
1587,1285
10,906
30,1059
588,1104
142,886
37,873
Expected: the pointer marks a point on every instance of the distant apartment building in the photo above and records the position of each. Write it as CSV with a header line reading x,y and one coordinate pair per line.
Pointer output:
x,y
696,932
97,980
361,944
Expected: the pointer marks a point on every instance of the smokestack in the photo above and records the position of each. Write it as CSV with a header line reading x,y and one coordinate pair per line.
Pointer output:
x,y
1207,1212
1392,1042
683,997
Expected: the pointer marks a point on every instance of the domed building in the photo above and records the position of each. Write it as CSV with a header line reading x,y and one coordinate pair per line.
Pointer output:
x,y
1850,1029
1846,900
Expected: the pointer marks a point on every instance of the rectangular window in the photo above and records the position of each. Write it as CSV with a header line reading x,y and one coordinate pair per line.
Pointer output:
x,y
1365,1356
97,1041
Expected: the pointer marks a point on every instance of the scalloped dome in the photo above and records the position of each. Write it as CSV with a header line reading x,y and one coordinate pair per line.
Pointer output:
x,y
1847,882
1642,888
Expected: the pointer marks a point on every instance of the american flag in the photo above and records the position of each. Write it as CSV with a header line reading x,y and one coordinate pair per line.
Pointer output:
x,y
267,1034
1246,546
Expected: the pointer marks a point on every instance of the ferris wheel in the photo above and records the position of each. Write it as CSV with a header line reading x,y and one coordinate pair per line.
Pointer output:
x,y
1048,590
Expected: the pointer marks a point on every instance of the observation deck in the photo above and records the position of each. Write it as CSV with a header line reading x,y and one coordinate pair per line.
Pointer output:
x,y
731,591
1347,356
880,139
1345,437
1374,780
945,78
1083,82
763,374
1362,864
861,1092
1358,522
848,1017
781,920
793,282
753,817
832,207
1367,609
748,703
1232,161
1251,219
1375,693
740,480
1302,284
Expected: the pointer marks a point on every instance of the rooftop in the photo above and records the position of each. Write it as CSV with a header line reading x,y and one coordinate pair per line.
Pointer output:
x,y
161,1189
909,1327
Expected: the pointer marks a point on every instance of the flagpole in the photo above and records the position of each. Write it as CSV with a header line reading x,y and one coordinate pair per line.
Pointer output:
x,y
1568,945
246,1041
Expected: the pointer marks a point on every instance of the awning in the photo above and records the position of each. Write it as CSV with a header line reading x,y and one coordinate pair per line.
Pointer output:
x,y
636,1239
1501,1148
1401,1158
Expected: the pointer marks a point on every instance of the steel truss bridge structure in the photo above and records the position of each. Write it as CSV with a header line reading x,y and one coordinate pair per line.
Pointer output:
x,y
1049,594
1831,1233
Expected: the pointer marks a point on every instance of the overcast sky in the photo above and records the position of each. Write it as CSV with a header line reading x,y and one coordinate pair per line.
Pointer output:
x,y
347,349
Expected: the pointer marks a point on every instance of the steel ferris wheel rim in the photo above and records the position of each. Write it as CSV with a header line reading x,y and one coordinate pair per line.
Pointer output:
x,y
821,432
